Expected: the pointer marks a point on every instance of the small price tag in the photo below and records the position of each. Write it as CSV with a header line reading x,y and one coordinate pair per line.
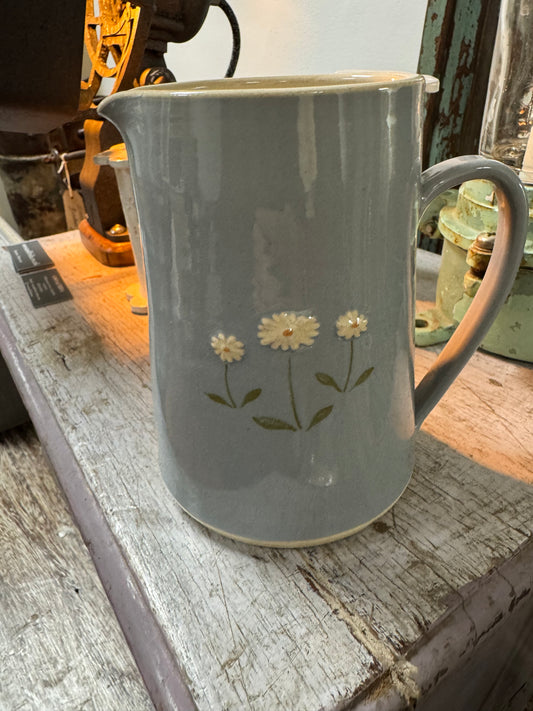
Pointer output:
x,y
46,287
28,256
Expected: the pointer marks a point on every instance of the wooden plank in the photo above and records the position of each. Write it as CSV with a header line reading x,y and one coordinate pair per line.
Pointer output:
x,y
491,389
263,629
502,659
494,387
457,46
434,51
159,667
60,644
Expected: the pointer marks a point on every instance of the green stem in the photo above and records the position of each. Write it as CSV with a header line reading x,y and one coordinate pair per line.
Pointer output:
x,y
349,367
233,404
293,401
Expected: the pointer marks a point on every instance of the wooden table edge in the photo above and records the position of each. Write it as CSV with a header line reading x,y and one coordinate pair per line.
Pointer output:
x,y
158,667
443,648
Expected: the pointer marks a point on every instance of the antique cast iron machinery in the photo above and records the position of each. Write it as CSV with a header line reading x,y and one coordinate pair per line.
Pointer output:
x,y
466,218
48,122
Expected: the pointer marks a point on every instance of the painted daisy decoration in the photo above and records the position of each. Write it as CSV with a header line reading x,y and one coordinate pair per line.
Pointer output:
x,y
289,331
350,326
230,350
227,348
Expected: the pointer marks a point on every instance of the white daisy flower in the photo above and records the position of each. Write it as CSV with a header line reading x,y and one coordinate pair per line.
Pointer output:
x,y
351,324
227,348
287,330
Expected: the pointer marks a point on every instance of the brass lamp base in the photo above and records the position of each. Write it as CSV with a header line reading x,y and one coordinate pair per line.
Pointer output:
x,y
106,251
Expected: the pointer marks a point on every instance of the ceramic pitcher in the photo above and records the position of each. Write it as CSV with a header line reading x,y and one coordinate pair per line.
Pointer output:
x,y
280,218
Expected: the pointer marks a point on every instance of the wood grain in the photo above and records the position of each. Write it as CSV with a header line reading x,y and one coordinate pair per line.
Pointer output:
x,y
263,629
60,644
487,414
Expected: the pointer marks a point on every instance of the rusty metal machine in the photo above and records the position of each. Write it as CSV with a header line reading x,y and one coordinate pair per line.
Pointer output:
x,y
49,129
466,219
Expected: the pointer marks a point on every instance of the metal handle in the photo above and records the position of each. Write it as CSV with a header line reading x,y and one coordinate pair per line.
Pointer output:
x,y
513,215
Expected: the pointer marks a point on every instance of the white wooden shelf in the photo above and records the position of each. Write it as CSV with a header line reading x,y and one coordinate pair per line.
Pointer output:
x,y
398,611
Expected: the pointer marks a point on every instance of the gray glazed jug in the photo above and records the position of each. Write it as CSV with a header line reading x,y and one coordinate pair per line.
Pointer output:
x,y
280,218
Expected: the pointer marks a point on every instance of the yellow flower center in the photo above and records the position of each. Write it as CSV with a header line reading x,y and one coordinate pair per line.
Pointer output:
x,y
288,332
226,349
354,323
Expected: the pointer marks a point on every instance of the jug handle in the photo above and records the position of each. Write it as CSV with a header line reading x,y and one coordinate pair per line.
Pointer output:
x,y
513,215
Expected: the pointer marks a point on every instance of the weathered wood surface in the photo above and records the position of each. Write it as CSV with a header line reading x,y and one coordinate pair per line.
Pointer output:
x,y
494,394
326,628
457,46
60,644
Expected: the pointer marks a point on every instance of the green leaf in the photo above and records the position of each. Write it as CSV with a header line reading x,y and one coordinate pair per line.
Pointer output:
x,y
319,416
217,398
326,379
361,379
271,423
251,396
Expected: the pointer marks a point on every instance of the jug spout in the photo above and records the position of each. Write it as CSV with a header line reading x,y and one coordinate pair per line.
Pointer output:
x,y
119,110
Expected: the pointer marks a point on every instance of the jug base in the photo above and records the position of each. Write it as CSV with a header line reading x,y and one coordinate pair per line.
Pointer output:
x,y
292,544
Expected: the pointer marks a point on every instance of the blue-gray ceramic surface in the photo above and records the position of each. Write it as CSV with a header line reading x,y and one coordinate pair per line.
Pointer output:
x,y
279,218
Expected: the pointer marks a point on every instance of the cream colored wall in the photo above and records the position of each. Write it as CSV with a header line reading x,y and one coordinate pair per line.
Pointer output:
x,y
305,37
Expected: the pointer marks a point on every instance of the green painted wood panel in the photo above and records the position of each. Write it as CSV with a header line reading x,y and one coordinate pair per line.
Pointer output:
x,y
457,46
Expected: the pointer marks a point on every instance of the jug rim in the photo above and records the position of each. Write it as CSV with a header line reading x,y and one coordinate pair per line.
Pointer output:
x,y
287,85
